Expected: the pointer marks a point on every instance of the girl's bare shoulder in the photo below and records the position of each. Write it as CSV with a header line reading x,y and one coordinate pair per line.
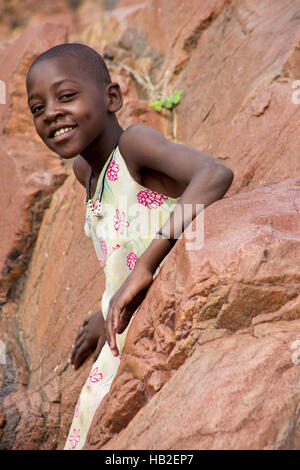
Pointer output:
x,y
138,135
138,143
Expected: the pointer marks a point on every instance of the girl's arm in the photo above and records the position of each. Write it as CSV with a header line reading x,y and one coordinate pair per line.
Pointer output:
x,y
205,179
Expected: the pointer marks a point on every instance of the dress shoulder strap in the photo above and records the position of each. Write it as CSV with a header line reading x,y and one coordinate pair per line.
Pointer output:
x,y
90,183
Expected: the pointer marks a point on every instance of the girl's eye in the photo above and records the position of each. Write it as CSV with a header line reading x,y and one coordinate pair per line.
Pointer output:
x,y
67,95
36,109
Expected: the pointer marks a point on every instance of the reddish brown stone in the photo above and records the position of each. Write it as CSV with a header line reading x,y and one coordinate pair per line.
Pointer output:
x,y
29,179
223,319
235,393
247,269
21,15
29,176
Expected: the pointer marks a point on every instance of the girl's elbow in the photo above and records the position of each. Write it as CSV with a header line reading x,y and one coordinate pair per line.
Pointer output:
x,y
224,178
228,176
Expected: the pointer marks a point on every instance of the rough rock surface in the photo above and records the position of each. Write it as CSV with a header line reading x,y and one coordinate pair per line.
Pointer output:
x,y
214,349
238,392
218,314
29,176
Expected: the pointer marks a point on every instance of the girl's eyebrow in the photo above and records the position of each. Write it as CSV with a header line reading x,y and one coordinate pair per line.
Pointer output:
x,y
54,85
60,82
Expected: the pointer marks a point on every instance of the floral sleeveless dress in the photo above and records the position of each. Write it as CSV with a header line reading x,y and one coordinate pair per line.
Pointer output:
x,y
122,219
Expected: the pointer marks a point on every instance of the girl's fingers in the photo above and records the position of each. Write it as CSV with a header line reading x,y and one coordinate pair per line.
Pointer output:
x,y
113,347
79,337
79,333
128,311
111,333
78,343
124,319
80,355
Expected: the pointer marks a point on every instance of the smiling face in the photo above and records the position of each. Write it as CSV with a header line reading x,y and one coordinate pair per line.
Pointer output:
x,y
70,109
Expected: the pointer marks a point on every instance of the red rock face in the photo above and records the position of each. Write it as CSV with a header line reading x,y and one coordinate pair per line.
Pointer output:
x,y
213,350
214,320
28,175
231,393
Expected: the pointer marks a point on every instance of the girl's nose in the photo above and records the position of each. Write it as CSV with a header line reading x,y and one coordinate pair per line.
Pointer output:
x,y
52,111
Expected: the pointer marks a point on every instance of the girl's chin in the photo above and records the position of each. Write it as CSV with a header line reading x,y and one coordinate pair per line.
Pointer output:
x,y
64,149
67,155
64,153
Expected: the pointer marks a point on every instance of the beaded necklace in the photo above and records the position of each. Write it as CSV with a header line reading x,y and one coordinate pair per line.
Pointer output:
x,y
95,206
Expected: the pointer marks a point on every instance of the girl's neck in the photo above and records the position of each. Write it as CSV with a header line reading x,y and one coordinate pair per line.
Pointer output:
x,y
99,151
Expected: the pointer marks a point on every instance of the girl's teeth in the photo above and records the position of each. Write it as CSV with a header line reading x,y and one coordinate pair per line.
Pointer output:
x,y
62,131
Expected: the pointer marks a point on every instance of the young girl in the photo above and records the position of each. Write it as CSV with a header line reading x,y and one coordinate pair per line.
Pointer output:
x,y
73,103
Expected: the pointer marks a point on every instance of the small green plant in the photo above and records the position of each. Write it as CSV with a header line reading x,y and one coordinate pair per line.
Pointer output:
x,y
168,103
154,93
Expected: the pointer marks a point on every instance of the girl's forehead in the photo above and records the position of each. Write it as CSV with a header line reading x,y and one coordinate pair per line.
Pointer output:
x,y
55,67
54,71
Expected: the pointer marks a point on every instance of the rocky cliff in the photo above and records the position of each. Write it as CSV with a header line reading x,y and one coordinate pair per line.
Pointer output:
x,y
212,360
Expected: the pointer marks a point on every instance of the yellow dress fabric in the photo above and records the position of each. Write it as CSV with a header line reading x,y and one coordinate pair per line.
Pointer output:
x,y
122,219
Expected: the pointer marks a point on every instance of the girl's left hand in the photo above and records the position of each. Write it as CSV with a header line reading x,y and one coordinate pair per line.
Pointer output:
x,y
124,303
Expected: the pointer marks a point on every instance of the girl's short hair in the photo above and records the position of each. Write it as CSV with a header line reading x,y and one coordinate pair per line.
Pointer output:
x,y
89,60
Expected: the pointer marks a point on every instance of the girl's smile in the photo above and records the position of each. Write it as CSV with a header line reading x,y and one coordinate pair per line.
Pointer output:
x,y
62,132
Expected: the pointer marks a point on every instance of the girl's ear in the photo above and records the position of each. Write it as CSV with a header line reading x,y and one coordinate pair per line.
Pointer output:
x,y
114,95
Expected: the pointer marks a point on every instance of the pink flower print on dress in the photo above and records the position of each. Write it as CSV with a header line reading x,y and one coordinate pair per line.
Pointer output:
x,y
74,438
116,247
103,244
77,409
120,223
95,376
104,248
96,204
88,222
112,171
131,260
150,199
